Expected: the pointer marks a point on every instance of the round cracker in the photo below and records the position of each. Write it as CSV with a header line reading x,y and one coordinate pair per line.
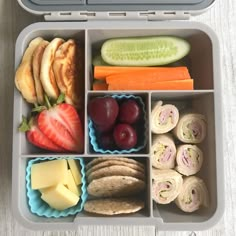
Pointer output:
x,y
112,163
115,186
115,170
114,206
101,159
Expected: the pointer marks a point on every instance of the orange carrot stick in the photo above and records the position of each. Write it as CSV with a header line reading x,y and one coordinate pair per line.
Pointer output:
x,y
101,72
164,85
149,76
100,86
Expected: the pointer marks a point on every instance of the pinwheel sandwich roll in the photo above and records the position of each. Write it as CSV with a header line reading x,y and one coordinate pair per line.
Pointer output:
x,y
191,128
163,152
189,159
166,185
193,195
163,118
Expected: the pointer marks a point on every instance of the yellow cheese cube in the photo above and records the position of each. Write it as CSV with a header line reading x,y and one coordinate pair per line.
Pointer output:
x,y
42,190
59,197
79,190
49,173
71,184
75,170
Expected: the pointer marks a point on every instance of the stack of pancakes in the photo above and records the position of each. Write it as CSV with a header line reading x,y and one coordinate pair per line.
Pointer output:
x,y
52,68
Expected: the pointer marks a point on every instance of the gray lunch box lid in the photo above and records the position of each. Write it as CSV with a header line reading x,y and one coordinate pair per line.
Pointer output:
x,y
122,9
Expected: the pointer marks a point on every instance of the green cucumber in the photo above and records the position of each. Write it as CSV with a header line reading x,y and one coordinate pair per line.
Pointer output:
x,y
144,51
98,61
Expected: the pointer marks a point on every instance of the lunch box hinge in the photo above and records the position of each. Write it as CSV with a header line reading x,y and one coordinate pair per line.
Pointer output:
x,y
126,15
67,16
85,15
167,15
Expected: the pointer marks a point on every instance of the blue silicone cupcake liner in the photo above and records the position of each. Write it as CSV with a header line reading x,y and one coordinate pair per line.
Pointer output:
x,y
41,208
92,132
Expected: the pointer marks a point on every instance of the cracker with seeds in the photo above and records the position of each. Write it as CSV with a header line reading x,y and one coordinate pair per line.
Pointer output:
x,y
118,186
115,170
114,206
101,159
112,163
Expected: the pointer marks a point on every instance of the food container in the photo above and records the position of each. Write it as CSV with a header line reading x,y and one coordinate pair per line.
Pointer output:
x,y
93,139
92,22
38,206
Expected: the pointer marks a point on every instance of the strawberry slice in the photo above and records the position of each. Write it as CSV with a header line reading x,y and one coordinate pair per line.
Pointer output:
x,y
72,122
36,137
62,125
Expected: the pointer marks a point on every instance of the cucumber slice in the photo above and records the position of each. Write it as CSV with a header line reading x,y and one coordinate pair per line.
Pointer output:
x,y
144,51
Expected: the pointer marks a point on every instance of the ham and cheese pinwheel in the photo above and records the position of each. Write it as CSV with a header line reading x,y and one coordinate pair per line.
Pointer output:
x,y
193,195
163,152
191,128
166,185
163,118
189,159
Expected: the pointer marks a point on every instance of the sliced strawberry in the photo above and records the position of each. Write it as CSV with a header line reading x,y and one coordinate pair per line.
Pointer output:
x,y
61,125
72,122
36,137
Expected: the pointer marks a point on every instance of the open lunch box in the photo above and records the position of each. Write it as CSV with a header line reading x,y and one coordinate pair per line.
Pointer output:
x,y
92,23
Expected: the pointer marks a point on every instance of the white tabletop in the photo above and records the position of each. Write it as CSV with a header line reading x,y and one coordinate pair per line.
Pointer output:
x,y
222,18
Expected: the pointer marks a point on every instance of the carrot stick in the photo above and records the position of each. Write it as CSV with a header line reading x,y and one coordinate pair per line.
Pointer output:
x,y
165,85
150,76
99,86
101,72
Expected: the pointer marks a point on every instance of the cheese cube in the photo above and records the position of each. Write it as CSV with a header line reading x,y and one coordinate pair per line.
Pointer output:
x,y
42,190
49,173
75,170
71,184
59,197
79,191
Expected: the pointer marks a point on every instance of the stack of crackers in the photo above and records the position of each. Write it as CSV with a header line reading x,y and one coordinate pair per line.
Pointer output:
x,y
117,184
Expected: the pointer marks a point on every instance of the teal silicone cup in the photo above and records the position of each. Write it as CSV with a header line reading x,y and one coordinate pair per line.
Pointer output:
x,y
41,208
141,141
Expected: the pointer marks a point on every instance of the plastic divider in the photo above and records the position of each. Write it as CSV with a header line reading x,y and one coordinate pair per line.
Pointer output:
x,y
86,84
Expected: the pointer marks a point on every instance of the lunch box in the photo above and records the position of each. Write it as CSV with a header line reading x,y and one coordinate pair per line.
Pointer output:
x,y
92,22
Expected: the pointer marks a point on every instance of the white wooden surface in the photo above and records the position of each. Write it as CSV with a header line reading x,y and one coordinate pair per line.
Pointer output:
x,y
222,18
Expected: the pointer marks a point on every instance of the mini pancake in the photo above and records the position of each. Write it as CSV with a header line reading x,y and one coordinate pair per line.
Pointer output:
x,y
36,64
24,80
47,76
68,72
